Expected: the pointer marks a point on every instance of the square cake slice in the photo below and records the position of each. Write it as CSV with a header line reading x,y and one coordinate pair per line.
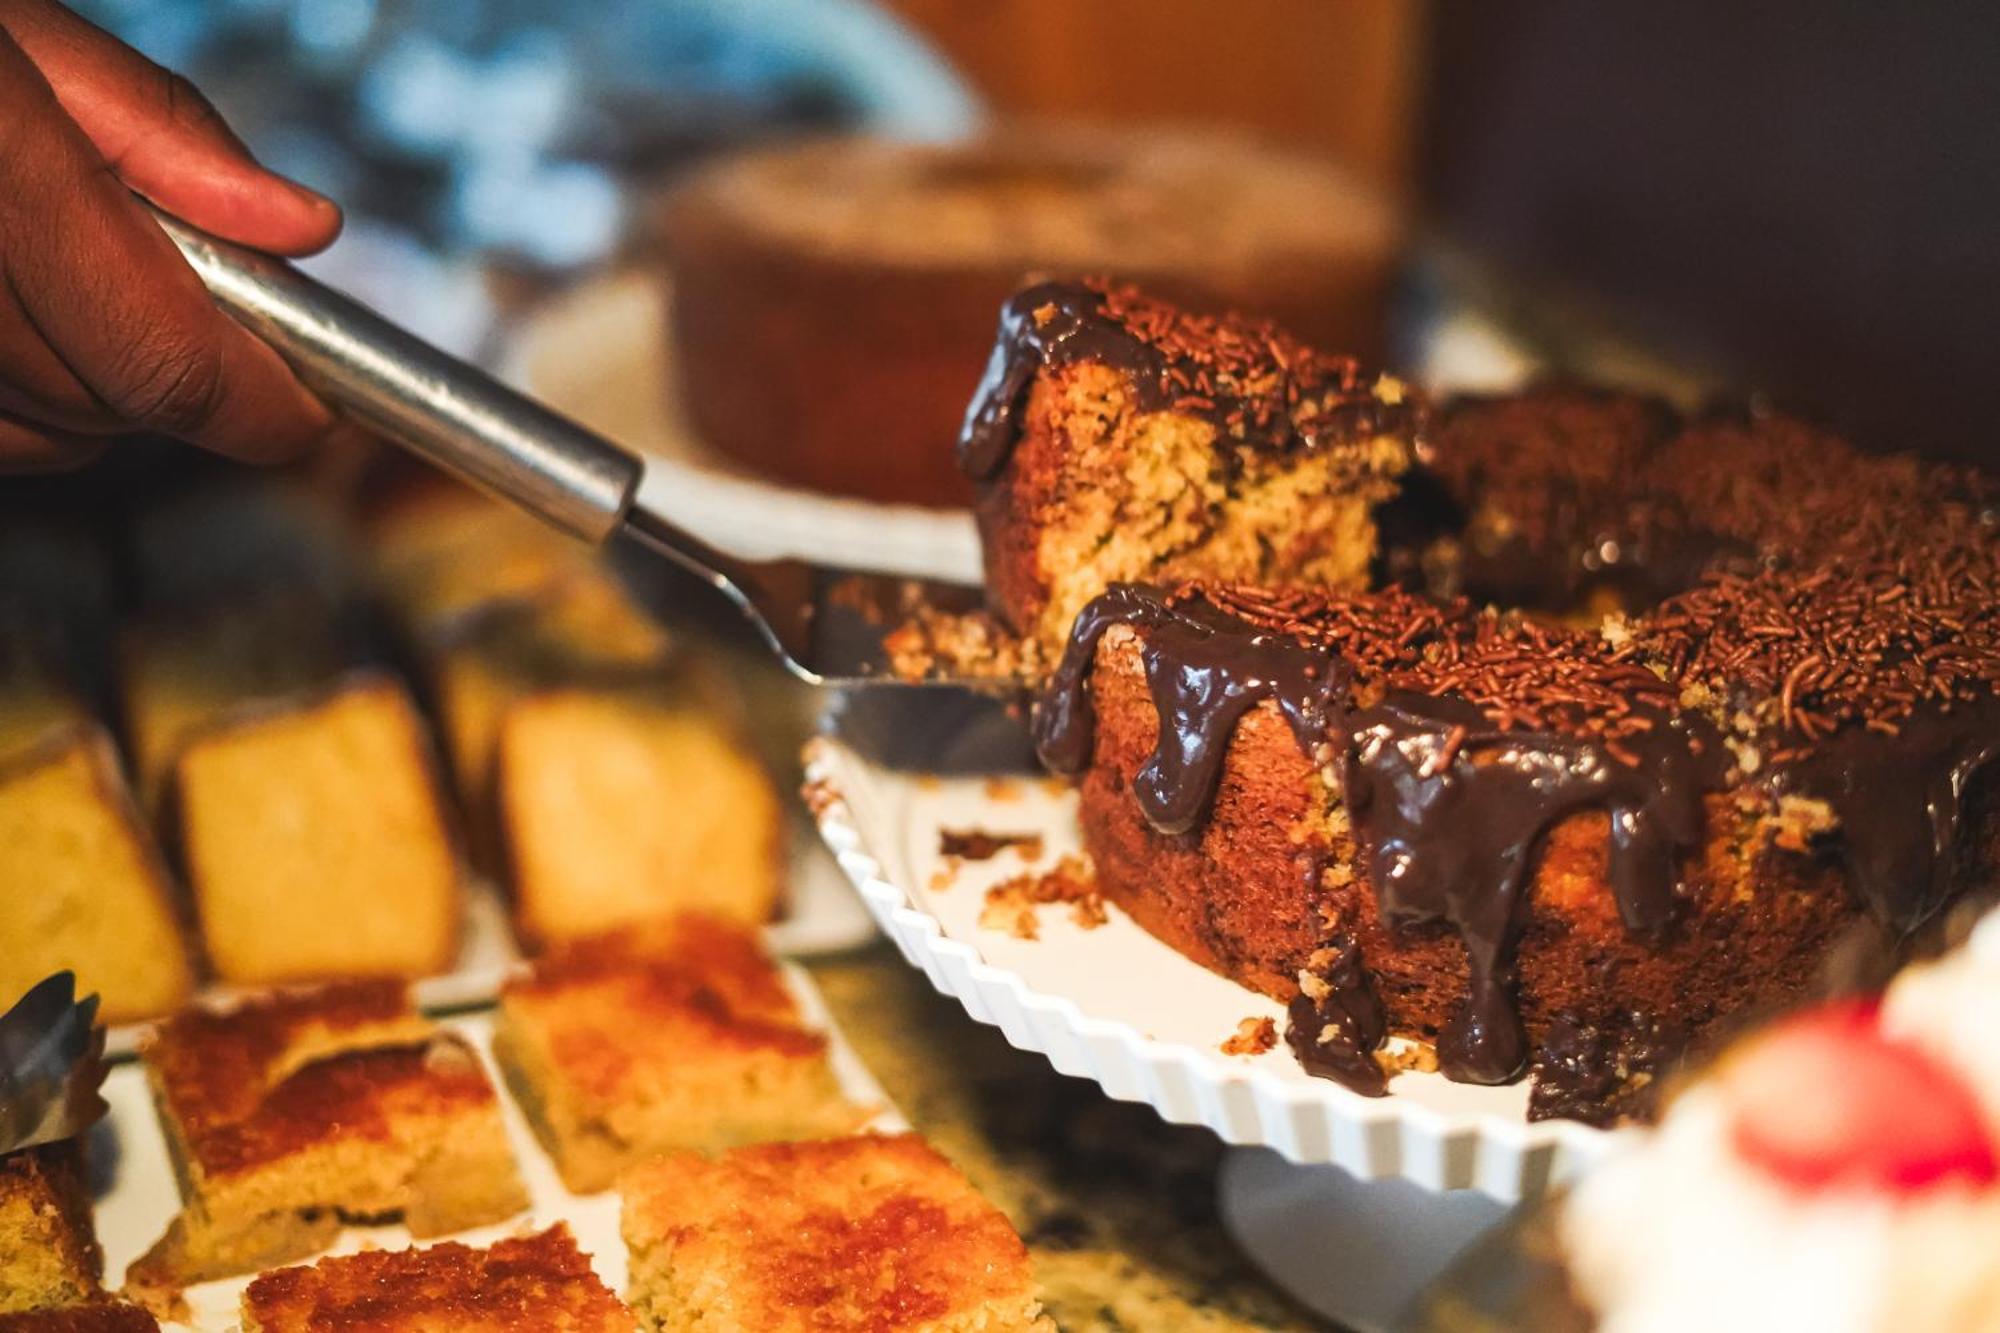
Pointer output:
x,y
316,840
863,1233
541,1282
82,884
681,1036
292,1114
48,1247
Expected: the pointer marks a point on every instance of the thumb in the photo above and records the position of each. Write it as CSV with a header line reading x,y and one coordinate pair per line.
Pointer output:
x,y
163,139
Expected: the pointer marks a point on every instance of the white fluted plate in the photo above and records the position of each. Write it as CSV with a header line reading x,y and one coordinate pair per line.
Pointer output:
x,y
1115,1005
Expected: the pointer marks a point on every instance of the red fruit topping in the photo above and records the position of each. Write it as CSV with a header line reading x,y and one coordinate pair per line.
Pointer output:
x,y
1826,1099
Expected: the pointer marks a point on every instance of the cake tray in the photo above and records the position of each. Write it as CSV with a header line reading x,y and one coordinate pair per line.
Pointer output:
x,y
1113,1004
135,1193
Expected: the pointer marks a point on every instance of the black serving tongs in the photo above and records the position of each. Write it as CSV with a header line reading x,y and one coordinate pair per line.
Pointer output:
x,y
827,626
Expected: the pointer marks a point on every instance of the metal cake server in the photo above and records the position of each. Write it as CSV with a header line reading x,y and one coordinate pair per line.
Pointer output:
x,y
51,1065
827,626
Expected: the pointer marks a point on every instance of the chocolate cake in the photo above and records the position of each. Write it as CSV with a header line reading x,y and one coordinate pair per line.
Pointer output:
x,y
1533,834
830,300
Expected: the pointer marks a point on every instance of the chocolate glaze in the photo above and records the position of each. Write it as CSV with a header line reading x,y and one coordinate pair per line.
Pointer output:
x,y
1049,324
1205,670
1449,828
1900,800
1448,831
1455,842
1335,1036
1258,386
1605,1070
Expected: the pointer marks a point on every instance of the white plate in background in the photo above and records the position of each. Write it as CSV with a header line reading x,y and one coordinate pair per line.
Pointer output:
x,y
599,353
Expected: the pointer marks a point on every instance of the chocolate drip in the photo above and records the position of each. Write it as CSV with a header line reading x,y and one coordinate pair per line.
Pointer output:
x,y
1900,799
1606,1070
1448,809
1258,386
1049,324
1450,834
1335,1034
1205,670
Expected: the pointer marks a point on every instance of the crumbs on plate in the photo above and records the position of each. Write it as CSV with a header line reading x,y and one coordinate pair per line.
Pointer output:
x,y
1010,904
1253,1036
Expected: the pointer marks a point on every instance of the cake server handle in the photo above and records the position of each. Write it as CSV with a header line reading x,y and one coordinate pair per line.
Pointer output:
x,y
453,414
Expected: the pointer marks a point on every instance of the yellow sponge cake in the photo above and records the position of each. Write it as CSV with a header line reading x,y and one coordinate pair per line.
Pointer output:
x,y
180,671
604,769
287,1115
541,1282
674,1036
869,1234
82,885
48,1248
619,805
314,839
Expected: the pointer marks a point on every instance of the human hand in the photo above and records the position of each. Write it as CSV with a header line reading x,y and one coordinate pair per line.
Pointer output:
x,y
104,329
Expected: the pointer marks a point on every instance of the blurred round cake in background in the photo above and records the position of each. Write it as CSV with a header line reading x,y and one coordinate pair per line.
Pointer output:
x,y
834,300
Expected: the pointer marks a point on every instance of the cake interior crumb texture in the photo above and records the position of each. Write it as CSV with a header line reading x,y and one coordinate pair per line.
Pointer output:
x,y
681,1037
859,1233
1105,492
620,804
532,1282
48,1247
82,885
289,1116
316,843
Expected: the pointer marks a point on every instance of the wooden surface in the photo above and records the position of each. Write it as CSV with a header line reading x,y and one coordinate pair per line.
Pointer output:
x,y
1339,76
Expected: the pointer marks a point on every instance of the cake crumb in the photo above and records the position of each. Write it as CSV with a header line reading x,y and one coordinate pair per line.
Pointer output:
x,y
1407,1057
959,845
819,796
1010,904
1253,1036
1801,821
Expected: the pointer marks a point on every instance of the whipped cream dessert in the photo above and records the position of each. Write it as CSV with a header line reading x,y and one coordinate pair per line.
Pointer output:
x,y
1837,1172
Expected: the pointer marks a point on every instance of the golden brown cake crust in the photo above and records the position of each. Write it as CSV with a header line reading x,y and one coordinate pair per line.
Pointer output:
x,y
541,1281
48,1243
861,1233
290,1115
613,1015
678,1036
250,1084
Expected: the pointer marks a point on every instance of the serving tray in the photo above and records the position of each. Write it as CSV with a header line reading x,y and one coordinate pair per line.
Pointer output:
x,y
136,1195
